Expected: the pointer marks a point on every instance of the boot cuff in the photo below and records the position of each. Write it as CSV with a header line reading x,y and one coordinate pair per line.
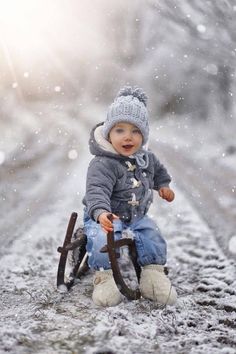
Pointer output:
x,y
158,267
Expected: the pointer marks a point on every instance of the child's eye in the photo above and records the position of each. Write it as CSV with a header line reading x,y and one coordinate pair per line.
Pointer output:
x,y
136,131
119,130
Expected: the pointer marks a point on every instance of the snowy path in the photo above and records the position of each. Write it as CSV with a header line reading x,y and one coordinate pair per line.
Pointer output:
x,y
26,186
37,319
209,187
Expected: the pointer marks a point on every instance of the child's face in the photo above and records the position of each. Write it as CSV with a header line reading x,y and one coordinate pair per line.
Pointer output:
x,y
126,138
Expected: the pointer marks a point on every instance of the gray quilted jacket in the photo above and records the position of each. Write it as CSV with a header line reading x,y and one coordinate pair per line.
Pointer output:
x,y
118,184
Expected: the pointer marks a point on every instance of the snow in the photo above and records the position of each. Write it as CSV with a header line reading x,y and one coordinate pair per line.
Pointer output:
x,y
2,157
62,289
51,320
232,244
72,154
201,28
57,89
37,318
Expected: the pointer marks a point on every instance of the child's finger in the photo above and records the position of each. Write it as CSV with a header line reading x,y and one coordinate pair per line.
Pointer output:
x,y
107,223
107,229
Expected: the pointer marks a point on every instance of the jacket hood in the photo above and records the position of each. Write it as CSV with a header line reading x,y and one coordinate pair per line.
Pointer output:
x,y
98,145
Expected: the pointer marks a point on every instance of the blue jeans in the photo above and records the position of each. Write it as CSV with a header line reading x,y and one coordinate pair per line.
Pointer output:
x,y
150,246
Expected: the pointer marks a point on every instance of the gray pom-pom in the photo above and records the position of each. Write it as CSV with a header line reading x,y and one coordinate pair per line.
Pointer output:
x,y
125,91
136,92
141,95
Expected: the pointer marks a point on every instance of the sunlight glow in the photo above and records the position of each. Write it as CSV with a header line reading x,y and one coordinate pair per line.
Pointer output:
x,y
24,24
30,27
39,38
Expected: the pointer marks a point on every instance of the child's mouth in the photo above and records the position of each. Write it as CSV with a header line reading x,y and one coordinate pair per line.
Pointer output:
x,y
127,147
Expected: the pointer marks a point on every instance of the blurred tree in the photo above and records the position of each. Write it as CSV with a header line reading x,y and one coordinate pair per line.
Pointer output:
x,y
201,36
181,52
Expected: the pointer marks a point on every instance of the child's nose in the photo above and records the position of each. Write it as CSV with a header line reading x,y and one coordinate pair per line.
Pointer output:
x,y
128,136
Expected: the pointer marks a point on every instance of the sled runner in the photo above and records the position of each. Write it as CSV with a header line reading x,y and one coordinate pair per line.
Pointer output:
x,y
77,244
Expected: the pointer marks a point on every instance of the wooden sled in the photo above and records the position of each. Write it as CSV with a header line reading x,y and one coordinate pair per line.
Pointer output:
x,y
77,244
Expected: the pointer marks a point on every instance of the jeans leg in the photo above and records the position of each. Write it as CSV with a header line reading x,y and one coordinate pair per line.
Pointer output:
x,y
150,245
96,239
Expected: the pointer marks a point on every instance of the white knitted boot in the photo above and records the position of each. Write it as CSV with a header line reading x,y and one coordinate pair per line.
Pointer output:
x,y
155,285
105,292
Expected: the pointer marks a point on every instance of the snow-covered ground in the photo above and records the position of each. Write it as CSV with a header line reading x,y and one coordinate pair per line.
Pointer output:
x,y
35,318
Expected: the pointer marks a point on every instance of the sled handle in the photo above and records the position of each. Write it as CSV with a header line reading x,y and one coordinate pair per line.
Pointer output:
x,y
111,249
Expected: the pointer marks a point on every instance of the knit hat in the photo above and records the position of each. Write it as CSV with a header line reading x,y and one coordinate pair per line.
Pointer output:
x,y
129,106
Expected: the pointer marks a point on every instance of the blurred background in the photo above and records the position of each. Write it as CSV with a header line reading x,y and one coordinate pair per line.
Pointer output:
x,y
62,63
182,53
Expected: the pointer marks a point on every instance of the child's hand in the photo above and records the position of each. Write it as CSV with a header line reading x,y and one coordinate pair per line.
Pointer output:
x,y
105,223
167,194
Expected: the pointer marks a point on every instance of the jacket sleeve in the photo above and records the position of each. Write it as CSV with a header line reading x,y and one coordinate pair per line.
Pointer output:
x,y
161,176
101,179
